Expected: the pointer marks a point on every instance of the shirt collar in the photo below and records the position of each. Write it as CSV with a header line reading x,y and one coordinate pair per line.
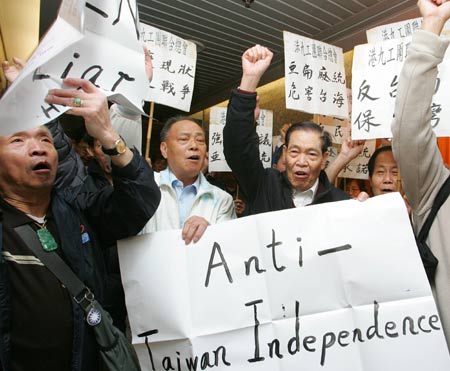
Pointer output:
x,y
313,189
175,182
14,217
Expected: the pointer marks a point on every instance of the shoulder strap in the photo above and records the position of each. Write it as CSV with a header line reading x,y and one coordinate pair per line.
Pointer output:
x,y
57,266
440,198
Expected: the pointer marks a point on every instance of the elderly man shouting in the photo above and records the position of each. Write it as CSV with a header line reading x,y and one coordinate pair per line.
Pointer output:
x,y
41,328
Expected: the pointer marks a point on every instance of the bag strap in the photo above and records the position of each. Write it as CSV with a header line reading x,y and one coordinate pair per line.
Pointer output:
x,y
440,198
55,264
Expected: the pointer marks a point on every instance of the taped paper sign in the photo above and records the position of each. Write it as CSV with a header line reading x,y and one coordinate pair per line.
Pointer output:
x,y
174,61
217,120
99,41
269,292
315,76
376,70
398,30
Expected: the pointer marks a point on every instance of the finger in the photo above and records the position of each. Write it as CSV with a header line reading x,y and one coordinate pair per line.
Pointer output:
x,y
65,99
19,62
199,232
84,84
188,233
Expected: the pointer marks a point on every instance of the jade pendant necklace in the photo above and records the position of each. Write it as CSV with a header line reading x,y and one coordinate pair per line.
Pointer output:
x,y
46,239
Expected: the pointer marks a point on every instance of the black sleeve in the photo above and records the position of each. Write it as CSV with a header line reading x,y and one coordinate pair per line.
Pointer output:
x,y
241,144
122,210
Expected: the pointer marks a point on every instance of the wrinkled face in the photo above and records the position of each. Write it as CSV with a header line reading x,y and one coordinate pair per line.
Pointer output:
x,y
185,150
385,174
304,159
28,162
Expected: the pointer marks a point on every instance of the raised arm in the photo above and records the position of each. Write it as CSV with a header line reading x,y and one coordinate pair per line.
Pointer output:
x,y
350,149
414,143
241,146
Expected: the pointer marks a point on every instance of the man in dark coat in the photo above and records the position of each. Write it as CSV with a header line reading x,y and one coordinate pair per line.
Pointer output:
x,y
41,327
305,150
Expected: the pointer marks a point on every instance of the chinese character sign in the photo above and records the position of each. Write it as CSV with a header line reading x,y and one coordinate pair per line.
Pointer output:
x,y
217,121
264,129
282,291
376,70
315,76
398,30
174,60
99,42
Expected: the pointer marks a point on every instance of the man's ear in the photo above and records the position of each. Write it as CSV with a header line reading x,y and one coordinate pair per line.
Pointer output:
x,y
325,159
163,148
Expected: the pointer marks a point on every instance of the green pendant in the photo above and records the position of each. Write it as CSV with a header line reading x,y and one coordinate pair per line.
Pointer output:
x,y
47,240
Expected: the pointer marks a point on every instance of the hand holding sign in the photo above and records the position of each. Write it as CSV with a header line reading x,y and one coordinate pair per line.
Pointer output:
x,y
89,102
255,62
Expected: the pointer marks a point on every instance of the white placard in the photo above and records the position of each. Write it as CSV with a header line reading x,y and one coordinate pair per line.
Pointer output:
x,y
268,292
376,69
217,120
315,76
398,30
174,62
98,41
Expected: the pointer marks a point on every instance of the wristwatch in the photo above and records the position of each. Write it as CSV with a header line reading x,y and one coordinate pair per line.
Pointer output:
x,y
119,147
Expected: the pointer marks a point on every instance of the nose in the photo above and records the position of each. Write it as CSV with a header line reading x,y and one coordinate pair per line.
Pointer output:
x,y
193,144
38,148
302,159
388,179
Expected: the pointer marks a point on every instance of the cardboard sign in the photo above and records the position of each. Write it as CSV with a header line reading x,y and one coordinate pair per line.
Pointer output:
x,y
174,61
333,287
217,120
315,76
99,41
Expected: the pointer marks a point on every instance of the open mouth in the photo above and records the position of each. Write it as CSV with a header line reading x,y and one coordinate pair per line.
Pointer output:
x,y
194,157
301,174
41,166
387,190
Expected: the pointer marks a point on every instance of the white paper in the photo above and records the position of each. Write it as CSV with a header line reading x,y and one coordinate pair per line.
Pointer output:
x,y
325,271
376,70
174,63
90,46
217,120
315,76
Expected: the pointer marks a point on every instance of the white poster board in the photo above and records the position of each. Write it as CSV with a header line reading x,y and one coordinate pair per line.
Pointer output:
x,y
315,76
375,74
217,120
269,292
174,61
398,30
98,41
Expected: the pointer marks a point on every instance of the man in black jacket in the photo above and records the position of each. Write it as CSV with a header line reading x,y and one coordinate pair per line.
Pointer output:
x,y
305,151
41,328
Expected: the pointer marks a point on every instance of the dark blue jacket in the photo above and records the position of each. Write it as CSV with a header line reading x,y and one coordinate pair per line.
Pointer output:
x,y
109,214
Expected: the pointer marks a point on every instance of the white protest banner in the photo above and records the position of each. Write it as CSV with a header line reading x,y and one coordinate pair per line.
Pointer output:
x,y
334,287
217,120
99,41
315,76
398,30
376,69
174,60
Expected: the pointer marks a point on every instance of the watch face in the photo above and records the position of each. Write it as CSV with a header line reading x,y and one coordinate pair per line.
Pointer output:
x,y
121,146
